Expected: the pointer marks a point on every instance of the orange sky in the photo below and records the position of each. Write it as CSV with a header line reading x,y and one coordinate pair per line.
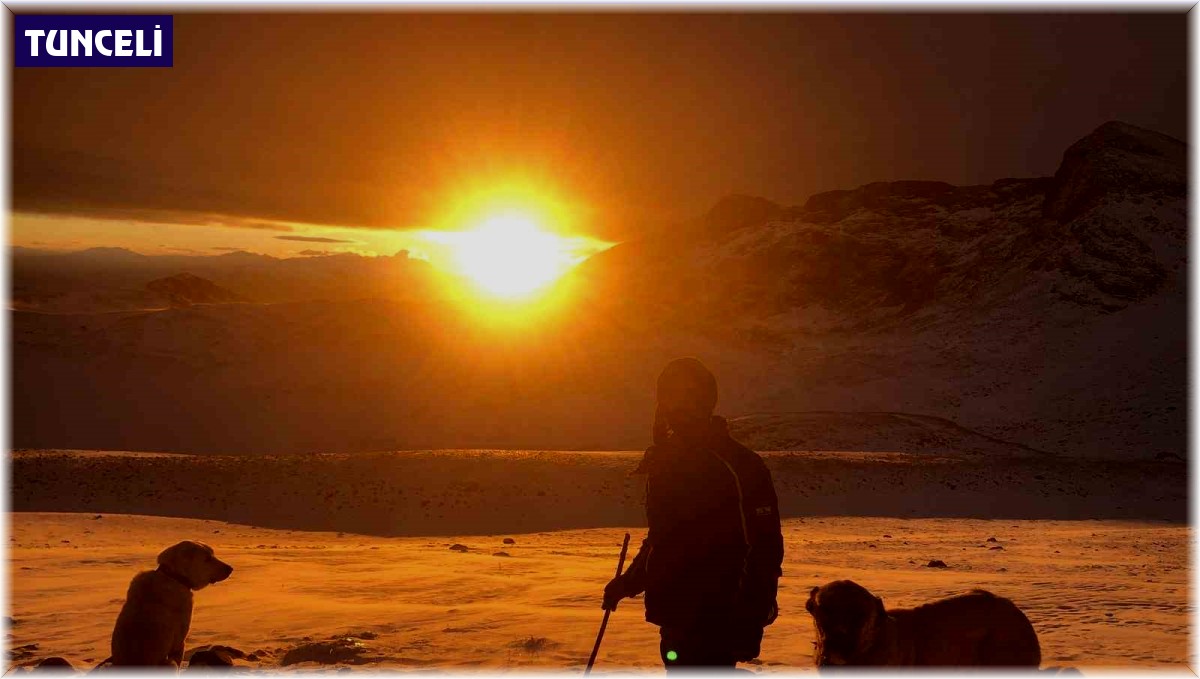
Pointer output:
x,y
361,130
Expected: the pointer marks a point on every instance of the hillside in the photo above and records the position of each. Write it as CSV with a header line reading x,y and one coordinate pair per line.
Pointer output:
x,y
476,492
869,432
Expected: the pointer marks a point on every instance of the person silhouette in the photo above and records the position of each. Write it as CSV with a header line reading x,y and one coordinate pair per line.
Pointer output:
x,y
711,560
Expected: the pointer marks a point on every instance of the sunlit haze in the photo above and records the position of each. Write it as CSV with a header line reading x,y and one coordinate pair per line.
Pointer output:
x,y
509,255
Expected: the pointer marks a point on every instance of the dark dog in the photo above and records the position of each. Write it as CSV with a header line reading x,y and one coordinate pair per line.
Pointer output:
x,y
974,629
157,614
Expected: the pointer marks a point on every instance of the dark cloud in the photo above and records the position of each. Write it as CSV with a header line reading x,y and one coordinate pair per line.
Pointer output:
x,y
83,184
314,239
381,119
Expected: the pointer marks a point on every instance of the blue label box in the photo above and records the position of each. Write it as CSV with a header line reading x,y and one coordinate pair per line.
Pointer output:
x,y
89,40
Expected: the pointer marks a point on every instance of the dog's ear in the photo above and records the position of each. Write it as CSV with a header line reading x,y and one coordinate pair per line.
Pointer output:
x,y
880,608
812,600
171,555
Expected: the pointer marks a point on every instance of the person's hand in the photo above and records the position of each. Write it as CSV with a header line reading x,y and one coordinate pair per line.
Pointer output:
x,y
761,613
614,591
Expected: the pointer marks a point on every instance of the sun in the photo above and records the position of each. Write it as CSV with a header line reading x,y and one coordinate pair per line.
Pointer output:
x,y
509,255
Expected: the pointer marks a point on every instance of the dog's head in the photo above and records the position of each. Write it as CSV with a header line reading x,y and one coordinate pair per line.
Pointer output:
x,y
846,616
194,563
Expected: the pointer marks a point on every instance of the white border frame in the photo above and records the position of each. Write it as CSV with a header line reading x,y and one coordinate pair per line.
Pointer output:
x,y
873,6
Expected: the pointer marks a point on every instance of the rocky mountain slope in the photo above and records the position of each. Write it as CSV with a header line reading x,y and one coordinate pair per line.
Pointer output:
x,y
1104,233
1049,311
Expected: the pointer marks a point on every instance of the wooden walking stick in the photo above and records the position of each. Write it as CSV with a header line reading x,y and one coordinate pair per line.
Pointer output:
x,y
604,622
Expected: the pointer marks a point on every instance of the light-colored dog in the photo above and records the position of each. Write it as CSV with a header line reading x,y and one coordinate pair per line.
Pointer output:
x,y
158,608
973,629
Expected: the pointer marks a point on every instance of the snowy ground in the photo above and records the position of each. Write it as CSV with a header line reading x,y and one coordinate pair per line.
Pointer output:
x,y
1099,593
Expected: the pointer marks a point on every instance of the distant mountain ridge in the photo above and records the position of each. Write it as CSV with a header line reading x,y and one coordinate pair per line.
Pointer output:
x,y
185,289
116,279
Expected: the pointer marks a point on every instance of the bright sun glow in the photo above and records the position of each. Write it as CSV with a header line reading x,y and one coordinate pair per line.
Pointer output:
x,y
510,256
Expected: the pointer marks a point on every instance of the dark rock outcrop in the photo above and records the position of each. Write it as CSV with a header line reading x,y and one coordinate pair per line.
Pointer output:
x,y
738,212
1116,159
340,651
214,655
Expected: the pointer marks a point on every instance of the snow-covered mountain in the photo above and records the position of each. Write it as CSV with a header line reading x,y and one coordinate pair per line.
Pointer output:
x,y
1046,313
1050,311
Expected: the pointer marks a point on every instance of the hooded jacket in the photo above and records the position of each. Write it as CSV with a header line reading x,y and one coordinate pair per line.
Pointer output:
x,y
714,548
